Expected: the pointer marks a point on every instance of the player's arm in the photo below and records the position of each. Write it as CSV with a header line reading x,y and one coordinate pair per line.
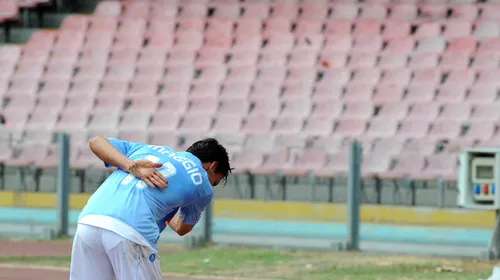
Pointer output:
x,y
187,217
114,154
106,152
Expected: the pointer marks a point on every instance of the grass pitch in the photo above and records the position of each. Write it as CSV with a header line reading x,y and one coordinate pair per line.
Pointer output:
x,y
300,264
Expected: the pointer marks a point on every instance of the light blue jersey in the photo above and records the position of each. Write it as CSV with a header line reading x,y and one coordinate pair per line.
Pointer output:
x,y
131,201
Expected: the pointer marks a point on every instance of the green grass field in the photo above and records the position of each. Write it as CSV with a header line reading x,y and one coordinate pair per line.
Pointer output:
x,y
301,264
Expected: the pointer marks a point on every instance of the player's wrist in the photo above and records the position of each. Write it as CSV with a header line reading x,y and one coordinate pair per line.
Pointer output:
x,y
130,166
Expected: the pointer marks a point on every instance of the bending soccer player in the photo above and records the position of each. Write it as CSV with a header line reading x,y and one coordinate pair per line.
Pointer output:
x,y
118,229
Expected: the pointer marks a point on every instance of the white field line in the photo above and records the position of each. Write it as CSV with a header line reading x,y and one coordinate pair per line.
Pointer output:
x,y
56,268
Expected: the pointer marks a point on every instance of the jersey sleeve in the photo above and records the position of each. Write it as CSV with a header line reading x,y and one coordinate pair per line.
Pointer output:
x,y
123,147
191,213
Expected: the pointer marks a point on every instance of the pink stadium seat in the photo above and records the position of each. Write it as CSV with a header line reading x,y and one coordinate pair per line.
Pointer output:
x,y
455,111
54,88
70,119
263,142
454,61
38,135
266,107
297,89
140,104
399,46
485,61
392,61
427,77
246,160
104,120
273,163
247,43
489,45
296,108
230,124
330,109
52,102
203,106
314,10
81,101
397,77
338,27
489,78
464,12
278,41
233,107
366,28
405,165
265,90
420,93
358,110
486,29
16,117
450,93
485,112
444,165
331,144
246,73
350,128
204,89
255,10
306,162
345,11
29,154
387,93
372,11
163,138
318,126
21,101
193,10
490,11
288,10
327,93
421,147
362,60
368,76
367,44
336,164
171,88
257,124
164,122
479,94
381,128
307,27
387,147
480,130
457,28
338,43
43,119
134,120
288,125
134,135
237,90
445,129
396,30
403,12
373,165
393,111
360,92
423,61
413,129
424,111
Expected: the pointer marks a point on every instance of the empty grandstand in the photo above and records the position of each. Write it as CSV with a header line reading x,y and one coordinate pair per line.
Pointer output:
x,y
285,84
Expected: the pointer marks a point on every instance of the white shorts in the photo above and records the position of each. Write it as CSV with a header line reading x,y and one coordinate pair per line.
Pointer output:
x,y
100,254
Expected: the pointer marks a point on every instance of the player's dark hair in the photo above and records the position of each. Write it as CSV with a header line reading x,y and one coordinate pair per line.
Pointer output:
x,y
210,150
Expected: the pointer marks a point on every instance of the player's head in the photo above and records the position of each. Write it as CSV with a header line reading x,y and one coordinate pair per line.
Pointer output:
x,y
214,158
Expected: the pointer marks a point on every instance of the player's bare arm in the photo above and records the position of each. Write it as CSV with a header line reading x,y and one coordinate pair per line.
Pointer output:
x,y
177,225
142,169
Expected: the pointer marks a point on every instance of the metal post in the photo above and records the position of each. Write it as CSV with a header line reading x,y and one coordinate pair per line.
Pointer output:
x,y
353,196
207,224
63,185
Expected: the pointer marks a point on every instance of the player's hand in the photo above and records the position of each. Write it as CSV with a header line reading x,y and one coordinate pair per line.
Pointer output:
x,y
145,170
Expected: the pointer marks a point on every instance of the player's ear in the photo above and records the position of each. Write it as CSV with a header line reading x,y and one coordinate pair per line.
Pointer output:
x,y
213,166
